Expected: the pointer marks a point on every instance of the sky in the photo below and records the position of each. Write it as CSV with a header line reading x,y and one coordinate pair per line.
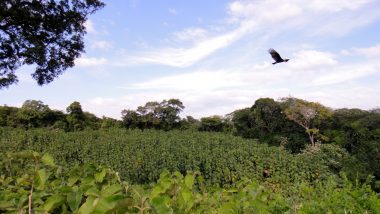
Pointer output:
x,y
212,55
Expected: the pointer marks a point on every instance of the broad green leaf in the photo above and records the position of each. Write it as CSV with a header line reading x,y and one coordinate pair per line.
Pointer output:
x,y
110,190
93,191
107,204
99,177
53,202
41,178
186,195
74,199
160,205
88,206
48,160
189,180
72,180
227,208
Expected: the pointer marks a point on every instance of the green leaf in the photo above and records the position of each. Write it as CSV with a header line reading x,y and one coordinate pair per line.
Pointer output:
x,y
189,180
110,190
74,199
88,206
186,195
48,160
72,180
227,208
160,205
41,178
53,202
107,204
99,177
93,191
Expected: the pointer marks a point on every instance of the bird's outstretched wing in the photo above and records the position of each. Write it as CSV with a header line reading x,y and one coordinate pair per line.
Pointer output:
x,y
275,55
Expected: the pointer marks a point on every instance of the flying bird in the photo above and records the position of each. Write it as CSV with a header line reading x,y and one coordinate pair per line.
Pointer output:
x,y
276,56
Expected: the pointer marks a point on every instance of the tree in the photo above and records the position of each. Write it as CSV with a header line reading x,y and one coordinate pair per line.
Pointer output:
x,y
214,124
163,115
33,114
168,113
75,116
306,114
267,115
46,33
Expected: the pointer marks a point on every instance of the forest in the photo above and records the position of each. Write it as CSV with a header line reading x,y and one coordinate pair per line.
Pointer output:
x,y
284,156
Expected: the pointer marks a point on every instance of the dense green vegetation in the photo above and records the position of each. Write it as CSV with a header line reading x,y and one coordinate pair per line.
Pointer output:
x,y
35,183
280,156
140,156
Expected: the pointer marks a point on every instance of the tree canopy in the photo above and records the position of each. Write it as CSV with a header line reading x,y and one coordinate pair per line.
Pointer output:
x,y
48,34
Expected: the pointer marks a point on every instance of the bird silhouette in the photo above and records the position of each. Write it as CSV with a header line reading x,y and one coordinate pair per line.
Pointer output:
x,y
276,56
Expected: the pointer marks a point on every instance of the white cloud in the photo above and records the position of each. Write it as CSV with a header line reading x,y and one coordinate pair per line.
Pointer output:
x,y
101,44
264,11
337,5
343,74
373,51
195,81
90,61
309,59
184,57
342,24
89,25
172,11
190,34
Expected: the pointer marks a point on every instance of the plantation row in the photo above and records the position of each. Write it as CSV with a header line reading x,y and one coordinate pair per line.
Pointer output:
x,y
34,183
140,156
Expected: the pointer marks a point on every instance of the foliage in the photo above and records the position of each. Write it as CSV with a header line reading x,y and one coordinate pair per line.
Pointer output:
x,y
306,114
163,115
33,182
46,33
214,124
140,156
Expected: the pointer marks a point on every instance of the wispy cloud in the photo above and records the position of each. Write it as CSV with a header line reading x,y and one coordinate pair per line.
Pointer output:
x,y
90,61
190,34
172,11
311,59
373,51
101,44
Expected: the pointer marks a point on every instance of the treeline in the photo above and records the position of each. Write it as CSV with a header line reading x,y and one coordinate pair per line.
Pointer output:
x,y
35,114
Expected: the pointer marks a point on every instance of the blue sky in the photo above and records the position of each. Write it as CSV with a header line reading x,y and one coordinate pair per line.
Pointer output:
x,y
212,55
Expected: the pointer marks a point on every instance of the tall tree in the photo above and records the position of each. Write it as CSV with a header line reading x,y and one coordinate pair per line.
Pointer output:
x,y
33,113
306,114
47,33
75,116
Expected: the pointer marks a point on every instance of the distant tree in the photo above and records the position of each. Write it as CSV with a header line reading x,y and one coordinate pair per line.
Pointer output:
x,y
130,119
168,113
91,121
306,114
46,33
107,122
75,117
242,123
159,115
189,122
214,124
33,114
267,116
8,116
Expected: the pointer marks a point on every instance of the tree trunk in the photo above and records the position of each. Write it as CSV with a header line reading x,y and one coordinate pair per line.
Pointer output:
x,y
311,137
